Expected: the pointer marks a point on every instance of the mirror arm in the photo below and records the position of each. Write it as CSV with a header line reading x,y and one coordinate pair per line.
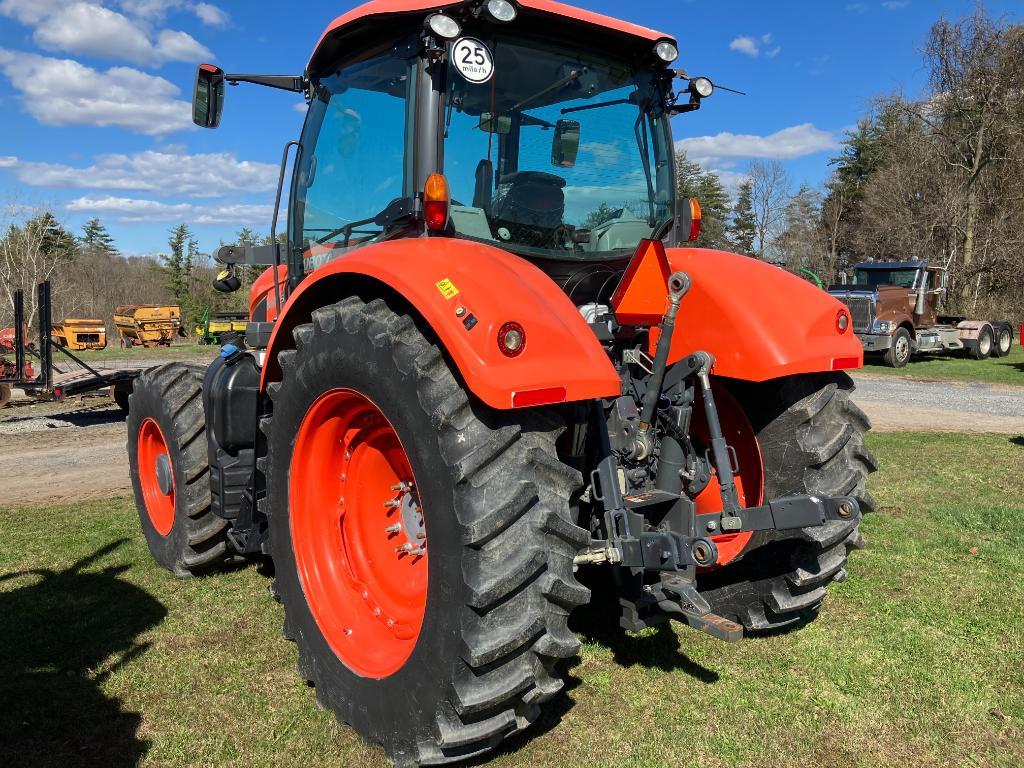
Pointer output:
x,y
283,82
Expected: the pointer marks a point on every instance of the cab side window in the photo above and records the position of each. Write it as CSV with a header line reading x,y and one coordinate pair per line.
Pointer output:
x,y
353,159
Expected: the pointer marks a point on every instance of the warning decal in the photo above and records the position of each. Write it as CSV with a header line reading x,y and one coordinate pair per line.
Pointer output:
x,y
447,288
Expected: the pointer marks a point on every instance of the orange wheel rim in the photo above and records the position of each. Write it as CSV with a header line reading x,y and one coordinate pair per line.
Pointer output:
x,y
156,476
358,533
749,479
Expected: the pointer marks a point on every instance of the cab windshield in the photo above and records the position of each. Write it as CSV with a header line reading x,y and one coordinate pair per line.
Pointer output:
x,y
556,154
904,278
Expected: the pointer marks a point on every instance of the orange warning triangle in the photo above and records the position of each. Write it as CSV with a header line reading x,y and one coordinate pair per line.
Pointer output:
x,y
640,296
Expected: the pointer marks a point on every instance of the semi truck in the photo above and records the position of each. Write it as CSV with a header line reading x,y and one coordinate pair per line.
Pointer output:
x,y
896,310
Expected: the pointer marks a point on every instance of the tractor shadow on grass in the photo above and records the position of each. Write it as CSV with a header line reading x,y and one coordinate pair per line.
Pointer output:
x,y
658,648
62,633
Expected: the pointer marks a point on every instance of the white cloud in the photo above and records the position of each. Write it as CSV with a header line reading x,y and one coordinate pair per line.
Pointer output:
x,y
148,211
30,11
752,46
166,172
795,141
64,92
210,14
895,5
92,29
745,45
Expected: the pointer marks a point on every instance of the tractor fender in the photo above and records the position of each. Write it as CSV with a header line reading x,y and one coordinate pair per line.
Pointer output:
x,y
758,321
465,292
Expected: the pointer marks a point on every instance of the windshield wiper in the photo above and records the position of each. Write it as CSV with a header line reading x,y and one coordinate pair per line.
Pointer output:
x,y
572,77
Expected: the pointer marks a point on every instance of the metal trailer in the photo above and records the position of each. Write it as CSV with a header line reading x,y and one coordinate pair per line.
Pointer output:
x,y
49,383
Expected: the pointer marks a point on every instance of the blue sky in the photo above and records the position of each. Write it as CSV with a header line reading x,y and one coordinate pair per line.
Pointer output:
x,y
94,96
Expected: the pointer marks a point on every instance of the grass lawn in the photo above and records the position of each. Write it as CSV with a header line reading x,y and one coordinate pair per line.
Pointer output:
x,y
917,659
993,370
113,351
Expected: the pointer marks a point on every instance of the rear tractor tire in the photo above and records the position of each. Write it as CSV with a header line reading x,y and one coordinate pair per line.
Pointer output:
x,y
898,354
423,543
170,474
811,439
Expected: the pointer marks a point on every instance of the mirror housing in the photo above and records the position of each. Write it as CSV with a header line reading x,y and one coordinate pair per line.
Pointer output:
x,y
565,145
208,96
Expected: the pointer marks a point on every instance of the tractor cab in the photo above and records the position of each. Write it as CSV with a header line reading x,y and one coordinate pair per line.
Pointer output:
x,y
494,122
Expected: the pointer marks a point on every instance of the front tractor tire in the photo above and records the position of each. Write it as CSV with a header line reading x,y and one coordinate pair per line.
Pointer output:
x,y
811,439
423,543
170,473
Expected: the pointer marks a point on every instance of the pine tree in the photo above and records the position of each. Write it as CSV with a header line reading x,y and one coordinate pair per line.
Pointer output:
x,y
693,181
96,238
55,242
742,229
175,267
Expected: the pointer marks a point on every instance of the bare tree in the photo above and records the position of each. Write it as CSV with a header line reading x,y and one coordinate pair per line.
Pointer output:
x,y
769,192
32,249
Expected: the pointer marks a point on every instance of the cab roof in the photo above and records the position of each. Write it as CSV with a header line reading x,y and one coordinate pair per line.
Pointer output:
x,y
377,9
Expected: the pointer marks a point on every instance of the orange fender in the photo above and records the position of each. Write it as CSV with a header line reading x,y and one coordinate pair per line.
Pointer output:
x,y
760,322
452,283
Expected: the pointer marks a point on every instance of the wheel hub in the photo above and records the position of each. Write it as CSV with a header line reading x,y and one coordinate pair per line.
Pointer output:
x,y
163,474
358,533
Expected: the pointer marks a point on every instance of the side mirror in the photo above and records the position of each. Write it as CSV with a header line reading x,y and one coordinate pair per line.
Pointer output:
x,y
565,146
208,96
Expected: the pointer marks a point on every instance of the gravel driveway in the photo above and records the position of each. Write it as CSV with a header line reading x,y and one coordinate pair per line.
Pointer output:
x,y
76,450
939,406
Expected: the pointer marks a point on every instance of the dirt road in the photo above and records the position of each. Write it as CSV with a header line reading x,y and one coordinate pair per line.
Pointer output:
x,y
63,451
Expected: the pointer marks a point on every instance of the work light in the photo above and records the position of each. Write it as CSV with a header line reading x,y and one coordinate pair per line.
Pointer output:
x,y
501,10
665,51
443,26
702,87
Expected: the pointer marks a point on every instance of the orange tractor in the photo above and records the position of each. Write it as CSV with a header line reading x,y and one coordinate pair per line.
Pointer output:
x,y
484,365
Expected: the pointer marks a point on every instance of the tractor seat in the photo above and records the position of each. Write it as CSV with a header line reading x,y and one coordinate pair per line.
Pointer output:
x,y
529,198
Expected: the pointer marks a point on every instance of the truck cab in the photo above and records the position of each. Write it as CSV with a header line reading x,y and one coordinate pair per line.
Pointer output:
x,y
895,307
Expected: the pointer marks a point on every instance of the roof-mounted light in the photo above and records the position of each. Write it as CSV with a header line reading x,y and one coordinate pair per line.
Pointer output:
x,y
501,10
701,87
666,51
443,26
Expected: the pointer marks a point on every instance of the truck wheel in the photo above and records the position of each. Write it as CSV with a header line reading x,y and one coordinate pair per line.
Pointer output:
x,y
423,543
898,355
169,468
811,439
1004,341
983,348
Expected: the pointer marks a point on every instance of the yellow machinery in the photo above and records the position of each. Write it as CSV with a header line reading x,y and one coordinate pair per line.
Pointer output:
x,y
77,333
147,325
217,323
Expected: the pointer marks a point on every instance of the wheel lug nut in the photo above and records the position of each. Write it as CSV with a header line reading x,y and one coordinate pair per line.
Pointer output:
x,y
421,535
392,503
396,528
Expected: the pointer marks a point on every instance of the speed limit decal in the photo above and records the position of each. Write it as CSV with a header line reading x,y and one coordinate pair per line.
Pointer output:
x,y
472,59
